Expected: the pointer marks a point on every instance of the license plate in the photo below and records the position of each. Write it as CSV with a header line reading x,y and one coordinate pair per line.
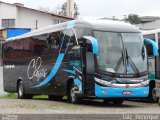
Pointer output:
x,y
126,92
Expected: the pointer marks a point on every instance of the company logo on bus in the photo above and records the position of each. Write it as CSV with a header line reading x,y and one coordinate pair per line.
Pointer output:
x,y
35,70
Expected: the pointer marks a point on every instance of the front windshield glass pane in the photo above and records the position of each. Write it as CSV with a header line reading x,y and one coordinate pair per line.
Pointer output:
x,y
134,46
122,53
110,50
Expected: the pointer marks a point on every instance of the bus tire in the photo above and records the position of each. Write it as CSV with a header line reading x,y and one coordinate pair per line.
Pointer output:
x,y
21,92
117,102
72,98
152,95
106,101
54,97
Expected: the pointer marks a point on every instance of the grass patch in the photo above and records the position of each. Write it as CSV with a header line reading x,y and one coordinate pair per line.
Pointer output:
x,y
9,96
40,96
45,97
14,96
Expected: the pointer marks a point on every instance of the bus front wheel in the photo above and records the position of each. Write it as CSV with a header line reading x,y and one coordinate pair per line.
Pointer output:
x,y
72,98
117,102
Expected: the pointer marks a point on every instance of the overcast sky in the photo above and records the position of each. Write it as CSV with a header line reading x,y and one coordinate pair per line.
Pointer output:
x,y
101,8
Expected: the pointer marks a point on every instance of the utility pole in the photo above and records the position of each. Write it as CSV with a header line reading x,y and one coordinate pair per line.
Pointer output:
x,y
70,8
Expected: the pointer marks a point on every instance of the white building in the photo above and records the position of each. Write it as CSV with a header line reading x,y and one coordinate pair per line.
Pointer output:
x,y
149,23
18,16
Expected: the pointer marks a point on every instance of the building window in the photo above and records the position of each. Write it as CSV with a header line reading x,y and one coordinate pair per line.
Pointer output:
x,y
8,23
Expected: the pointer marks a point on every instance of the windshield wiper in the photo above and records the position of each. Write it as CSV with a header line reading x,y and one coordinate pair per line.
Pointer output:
x,y
127,61
131,63
119,62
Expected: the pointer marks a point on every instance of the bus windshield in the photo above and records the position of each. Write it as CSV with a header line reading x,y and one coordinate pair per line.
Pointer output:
x,y
122,53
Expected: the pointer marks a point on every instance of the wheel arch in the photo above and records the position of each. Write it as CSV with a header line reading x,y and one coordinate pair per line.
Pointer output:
x,y
152,84
70,82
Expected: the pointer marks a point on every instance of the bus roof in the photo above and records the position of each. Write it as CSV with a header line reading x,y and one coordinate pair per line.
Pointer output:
x,y
103,25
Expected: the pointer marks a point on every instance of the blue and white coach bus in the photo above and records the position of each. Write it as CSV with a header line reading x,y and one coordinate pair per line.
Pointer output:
x,y
80,59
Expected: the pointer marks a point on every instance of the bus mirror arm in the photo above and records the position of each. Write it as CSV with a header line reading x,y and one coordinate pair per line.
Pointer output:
x,y
94,43
154,46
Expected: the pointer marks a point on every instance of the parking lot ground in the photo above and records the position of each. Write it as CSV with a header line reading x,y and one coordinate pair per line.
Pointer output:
x,y
44,106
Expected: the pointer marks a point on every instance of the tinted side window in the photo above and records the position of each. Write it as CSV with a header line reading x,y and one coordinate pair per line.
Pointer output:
x,y
53,40
67,40
7,48
39,47
80,32
28,47
13,50
60,41
51,43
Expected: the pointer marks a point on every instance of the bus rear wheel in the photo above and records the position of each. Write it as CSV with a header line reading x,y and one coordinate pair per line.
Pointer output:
x,y
21,92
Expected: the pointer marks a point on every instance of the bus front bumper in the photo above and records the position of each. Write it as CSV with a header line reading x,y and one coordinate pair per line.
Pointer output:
x,y
111,92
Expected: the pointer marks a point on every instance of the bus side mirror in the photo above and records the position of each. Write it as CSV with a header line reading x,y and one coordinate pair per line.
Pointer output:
x,y
154,46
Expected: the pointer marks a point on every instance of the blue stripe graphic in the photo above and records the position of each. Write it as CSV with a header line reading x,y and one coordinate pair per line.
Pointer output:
x,y
70,71
53,71
78,83
71,24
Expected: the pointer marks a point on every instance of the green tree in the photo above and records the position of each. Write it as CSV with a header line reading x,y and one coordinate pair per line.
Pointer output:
x,y
63,10
133,19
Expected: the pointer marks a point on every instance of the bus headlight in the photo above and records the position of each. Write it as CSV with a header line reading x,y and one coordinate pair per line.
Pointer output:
x,y
145,83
